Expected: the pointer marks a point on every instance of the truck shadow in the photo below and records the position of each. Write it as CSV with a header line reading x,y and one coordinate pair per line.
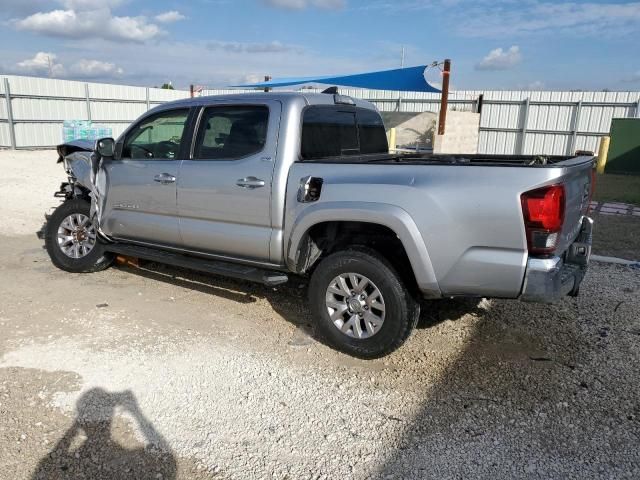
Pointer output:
x,y
288,300
529,393
88,451
219,286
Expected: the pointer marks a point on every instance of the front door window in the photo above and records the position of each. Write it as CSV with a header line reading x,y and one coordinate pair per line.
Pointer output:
x,y
157,136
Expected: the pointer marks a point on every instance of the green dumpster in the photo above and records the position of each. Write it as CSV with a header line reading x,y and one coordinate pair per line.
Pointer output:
x,y
624,151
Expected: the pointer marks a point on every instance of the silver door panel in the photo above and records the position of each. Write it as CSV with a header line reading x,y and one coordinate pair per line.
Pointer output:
x,y
224,206
137,206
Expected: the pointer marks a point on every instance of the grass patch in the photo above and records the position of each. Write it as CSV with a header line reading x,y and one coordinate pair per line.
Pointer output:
x,y
618,188
617,236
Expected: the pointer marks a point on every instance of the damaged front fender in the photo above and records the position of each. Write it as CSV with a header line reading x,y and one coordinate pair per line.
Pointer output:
x,y
84,168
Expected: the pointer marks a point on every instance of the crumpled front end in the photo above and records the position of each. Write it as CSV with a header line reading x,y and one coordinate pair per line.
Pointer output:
x,y
82,166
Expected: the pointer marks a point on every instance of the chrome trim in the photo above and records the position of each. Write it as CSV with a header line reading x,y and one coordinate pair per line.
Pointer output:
x,y
549,279
195,132
544,265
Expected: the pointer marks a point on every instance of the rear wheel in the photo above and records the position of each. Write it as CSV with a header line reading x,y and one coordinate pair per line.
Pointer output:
x,y
71,239
361,305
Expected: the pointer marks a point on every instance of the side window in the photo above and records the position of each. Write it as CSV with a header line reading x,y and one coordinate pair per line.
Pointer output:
x,y
157,137
329,132
231,132
373,137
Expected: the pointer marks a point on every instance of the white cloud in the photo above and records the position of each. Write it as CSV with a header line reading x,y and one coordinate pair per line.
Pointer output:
x,y
47,64
247,47
499,59
302,4
98,23
169,17
95,69
43,63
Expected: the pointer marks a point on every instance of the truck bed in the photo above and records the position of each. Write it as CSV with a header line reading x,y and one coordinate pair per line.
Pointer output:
x,y
470,219
535,161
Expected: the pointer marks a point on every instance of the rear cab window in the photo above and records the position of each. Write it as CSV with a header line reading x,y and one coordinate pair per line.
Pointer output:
x,y
336,131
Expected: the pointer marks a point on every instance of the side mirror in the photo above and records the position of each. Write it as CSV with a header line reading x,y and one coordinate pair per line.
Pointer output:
x,y
105,147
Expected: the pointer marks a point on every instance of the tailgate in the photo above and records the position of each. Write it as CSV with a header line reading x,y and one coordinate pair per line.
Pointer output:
x,y
577,177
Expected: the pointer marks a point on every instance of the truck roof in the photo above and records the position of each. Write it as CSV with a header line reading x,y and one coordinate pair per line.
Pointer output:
x,y
285,97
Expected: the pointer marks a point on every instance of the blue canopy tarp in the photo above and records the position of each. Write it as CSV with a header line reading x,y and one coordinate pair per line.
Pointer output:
x,y
410,79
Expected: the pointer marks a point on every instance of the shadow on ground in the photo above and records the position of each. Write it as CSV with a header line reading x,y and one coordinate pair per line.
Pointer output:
x,y
88,451
538,391
288,300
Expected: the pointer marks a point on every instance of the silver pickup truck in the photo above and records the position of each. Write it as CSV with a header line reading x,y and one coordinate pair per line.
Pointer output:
x,y
268,185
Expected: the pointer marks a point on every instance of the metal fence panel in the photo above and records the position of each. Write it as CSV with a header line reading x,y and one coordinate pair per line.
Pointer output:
x,y
512,121
105,111
40,105
5,137
40,109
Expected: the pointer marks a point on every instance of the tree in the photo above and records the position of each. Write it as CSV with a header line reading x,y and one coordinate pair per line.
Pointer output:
x,y
167,86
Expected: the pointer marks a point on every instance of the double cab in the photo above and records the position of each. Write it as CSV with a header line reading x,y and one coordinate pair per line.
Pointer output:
x,y
265,186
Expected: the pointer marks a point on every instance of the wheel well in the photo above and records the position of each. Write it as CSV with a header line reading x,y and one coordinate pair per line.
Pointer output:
x,y
325,238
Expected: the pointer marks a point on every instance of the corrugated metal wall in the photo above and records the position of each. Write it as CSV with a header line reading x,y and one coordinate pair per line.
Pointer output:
x,y
519,122
40,105
527,122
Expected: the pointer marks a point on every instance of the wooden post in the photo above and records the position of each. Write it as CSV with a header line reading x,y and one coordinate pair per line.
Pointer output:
x,y
444,99
191,93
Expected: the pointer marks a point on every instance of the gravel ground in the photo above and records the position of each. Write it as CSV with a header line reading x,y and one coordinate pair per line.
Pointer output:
x,y
162,373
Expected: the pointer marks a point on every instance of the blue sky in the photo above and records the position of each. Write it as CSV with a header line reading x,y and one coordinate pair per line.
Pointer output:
x,y
502,44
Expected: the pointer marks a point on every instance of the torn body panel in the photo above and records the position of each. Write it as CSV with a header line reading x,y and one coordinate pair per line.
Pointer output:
x,y
84,169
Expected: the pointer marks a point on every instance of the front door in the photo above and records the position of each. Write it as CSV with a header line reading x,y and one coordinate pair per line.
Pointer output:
x,y
141,180
224,190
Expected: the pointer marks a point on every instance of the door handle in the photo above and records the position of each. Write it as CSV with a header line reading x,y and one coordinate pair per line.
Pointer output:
x,y
164,178
250,182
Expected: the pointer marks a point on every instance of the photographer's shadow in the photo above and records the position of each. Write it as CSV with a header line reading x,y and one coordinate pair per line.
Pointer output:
x,y
88,451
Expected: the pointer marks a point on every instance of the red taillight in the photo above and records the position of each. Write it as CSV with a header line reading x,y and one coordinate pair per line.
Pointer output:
x,y
543,211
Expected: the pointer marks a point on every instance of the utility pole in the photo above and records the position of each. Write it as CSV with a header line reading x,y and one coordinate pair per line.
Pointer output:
x,y
444,99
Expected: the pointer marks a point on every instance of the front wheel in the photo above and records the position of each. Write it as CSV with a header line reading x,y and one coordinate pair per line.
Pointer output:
x,y
71,239
361,305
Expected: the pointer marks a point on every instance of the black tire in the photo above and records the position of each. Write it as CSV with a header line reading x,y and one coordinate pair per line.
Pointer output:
x,y
94,261
401,308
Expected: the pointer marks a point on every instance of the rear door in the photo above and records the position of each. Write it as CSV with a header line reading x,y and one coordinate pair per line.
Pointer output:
x,y
224,190
140,202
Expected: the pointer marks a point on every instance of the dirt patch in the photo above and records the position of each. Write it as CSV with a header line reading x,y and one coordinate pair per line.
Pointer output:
x,y
189,376
29,179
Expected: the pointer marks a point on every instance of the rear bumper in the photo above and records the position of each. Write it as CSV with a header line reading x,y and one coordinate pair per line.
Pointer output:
x,y
549,279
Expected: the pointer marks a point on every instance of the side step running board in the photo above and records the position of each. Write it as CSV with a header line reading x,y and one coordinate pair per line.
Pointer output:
x,y
216,267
